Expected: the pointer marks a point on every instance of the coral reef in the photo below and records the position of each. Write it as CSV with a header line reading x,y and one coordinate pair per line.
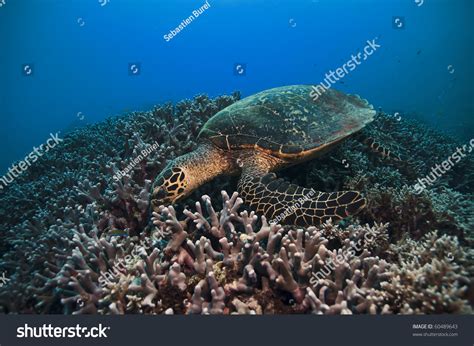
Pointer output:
x,y
433,275
77,236
226,261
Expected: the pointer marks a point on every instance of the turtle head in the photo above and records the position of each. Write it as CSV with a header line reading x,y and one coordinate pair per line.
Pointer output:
x,y
186,173
172,184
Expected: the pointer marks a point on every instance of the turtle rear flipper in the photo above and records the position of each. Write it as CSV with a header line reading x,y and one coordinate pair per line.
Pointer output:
x,y
381,150
377,148
288,203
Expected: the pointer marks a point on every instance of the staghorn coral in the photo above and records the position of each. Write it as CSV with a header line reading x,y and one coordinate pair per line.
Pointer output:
x,y
215,262
433,275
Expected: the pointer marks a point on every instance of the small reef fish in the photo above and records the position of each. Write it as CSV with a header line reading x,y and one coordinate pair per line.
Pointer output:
x,y
117,233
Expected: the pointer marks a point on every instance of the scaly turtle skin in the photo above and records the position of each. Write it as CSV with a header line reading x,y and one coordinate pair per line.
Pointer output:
x,y
264,133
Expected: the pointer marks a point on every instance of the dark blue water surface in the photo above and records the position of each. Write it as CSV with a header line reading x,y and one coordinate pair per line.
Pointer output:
x,y
80,54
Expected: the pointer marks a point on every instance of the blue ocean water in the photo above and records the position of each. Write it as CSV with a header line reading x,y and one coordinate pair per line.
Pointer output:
x,y
69,63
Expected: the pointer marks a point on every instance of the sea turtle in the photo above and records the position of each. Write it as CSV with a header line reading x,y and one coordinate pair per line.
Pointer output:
x,y
266,132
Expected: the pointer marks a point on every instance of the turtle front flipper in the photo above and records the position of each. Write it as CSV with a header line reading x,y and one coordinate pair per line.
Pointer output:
x,y
282,202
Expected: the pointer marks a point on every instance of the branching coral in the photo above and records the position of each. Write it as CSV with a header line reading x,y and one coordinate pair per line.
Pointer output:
x,y
432,276
226,261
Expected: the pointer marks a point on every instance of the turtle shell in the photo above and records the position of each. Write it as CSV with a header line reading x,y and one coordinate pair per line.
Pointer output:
x,y
288,121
